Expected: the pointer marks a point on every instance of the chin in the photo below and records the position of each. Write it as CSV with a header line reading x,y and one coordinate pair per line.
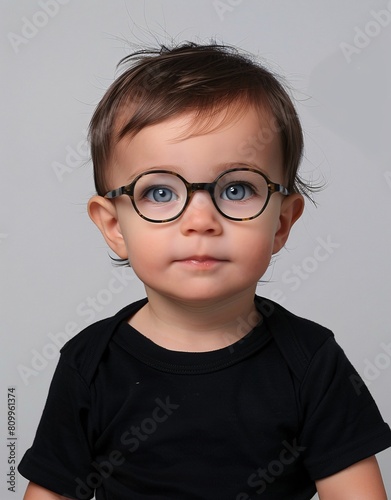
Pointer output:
x,y
203,298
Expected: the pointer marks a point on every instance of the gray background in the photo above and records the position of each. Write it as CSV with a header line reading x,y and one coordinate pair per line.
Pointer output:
x,y
56,276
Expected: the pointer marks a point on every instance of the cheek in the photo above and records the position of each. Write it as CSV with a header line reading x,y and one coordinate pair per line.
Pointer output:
x,y
143,244
257,248
259,254
259,234
144,260
139,245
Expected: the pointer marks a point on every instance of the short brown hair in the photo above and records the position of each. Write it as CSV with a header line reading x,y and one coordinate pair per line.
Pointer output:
x,y
204,79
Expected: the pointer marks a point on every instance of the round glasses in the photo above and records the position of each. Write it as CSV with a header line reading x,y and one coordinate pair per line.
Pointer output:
x,y
162,196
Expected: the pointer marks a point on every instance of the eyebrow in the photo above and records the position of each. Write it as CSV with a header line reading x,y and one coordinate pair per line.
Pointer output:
x,y
215,170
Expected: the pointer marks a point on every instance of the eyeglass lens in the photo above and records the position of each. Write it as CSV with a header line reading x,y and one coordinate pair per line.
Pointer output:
x,y
238,194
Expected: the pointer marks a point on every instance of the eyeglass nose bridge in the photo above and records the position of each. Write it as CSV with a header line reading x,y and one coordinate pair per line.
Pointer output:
x,y
201,186
192,188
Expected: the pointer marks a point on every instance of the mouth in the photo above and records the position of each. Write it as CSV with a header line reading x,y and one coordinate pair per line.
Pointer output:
x,y
201,261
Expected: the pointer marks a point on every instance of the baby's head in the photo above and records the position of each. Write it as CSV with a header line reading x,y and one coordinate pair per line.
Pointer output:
x,y
206,81
203,140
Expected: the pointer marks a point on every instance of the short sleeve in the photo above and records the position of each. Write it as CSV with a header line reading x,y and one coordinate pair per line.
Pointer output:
x,y
60,456
342,424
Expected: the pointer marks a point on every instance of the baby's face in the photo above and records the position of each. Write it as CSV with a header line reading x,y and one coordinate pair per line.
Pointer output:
x,y
201,256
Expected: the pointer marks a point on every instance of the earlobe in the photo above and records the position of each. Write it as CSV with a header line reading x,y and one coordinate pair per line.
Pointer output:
x,y
104,214
291,209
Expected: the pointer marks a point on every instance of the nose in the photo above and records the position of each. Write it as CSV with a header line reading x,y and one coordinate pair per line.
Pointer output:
x,y
201,216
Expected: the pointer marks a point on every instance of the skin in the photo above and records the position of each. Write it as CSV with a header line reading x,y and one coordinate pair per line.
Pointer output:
x,y
194,303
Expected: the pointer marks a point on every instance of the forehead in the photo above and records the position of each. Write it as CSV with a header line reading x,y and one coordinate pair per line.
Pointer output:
x,y
202,142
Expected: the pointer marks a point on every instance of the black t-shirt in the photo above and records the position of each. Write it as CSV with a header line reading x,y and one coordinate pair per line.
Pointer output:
x,y
263,418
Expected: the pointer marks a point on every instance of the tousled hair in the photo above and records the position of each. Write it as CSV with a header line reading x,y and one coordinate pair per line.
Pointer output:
x,y
158,84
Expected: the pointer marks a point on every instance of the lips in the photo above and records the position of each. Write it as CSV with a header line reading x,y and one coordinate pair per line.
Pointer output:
x,y
201,258
201,261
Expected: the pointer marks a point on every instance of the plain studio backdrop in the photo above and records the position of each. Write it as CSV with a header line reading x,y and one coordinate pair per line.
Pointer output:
x,y
57,59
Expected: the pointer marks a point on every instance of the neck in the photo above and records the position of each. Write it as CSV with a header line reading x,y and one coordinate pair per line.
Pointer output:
x,y
196,327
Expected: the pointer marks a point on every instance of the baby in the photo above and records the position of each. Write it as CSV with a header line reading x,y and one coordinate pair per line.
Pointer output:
x,y
202,390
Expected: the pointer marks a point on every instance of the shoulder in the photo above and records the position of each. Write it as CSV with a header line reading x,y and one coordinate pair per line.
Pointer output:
x,y
285,324
299,339
84,351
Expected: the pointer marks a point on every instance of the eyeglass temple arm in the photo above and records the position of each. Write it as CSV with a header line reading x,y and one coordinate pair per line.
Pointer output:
x,y
116,192
277,188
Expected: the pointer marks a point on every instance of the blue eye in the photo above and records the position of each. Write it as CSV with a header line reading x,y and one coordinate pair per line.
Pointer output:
x,y
237,192
160,194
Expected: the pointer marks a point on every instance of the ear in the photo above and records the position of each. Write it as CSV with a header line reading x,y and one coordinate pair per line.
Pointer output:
x,y
104,214
291,209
